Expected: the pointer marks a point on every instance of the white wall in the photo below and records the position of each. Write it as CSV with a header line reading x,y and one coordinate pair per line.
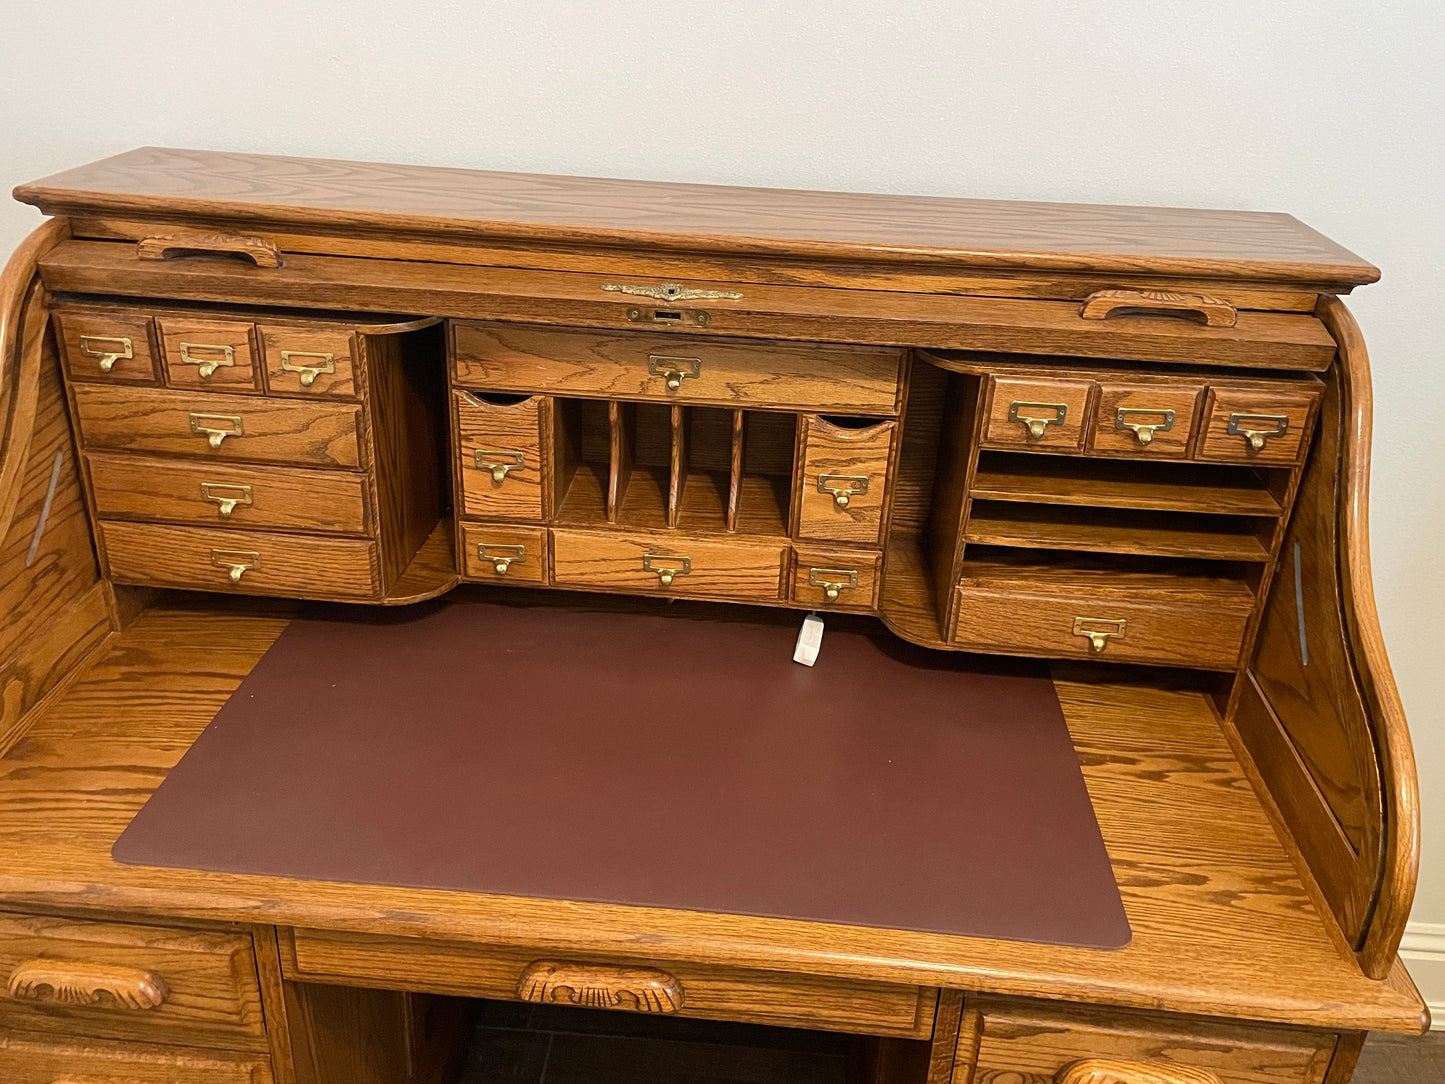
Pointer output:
x,y
1331,110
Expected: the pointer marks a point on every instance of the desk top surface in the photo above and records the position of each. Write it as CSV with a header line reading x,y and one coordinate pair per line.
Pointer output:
x,y
422,201
1221,922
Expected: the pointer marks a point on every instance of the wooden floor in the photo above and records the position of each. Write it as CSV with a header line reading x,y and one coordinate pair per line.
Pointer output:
x,y
1402,1059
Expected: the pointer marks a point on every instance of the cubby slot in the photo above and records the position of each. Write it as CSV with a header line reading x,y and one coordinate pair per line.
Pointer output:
x,y
1137,576
1112,530
583,467
1124,484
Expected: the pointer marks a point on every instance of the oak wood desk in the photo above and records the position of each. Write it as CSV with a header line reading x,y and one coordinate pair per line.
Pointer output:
x,y
1132,440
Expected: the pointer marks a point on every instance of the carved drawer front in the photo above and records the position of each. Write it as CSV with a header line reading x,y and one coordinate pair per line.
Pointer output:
x,y
309,362
667,564
111,348
219,427
503,553
674,368
228,494
1262,423
111,981
25,1061
216,355
844,485
1146,420
827,577
681,989
1117,625
1036,413
244,562
499,447
1021,1045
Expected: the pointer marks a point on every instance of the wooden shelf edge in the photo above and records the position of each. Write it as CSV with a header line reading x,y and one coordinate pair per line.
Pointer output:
x,y
431,573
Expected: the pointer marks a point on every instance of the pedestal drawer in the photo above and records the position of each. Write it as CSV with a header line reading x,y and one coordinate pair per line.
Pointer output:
x,y
26,1062
109,347
667,564
112,981
681,989
504,553
499,446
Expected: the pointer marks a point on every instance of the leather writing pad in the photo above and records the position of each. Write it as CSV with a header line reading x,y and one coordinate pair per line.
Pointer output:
x,y
654,760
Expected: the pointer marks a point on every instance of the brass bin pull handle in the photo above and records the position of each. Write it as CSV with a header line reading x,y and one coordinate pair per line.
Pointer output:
x,y
502,560
217,427
103,985
1099,631
667,568
236,562
325,363
1258,428
843,487
206,367
1037,417
1144,430
673,370
107,349
500,464
225,496
833,581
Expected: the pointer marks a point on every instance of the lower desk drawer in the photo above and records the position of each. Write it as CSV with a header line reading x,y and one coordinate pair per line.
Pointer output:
x,y
108,980
502,973
26,1062
504,553
668,564
1023,1044
228,494
247,562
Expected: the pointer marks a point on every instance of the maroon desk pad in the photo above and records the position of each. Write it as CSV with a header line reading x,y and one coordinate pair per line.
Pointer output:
x,y
651,760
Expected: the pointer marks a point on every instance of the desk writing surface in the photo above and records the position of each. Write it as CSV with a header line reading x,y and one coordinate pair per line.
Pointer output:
x,y
647,760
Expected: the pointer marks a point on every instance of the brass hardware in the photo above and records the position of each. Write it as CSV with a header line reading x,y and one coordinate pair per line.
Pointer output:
x,y
309,373
667,568
206,367
842,487
511,555
833,581
1145,432
1253,431
90,345
1033,420
217,427
1099,631
499,463
671,369
236,562
638,314
217,491
671,291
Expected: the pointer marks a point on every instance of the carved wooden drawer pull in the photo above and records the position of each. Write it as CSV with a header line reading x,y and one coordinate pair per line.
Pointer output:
x,y
1112,1071
163,246
87,984
1105,303
600,986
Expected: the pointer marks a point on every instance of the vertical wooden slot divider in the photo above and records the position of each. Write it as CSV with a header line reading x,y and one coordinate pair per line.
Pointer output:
x,y
622,435
677,465
735,467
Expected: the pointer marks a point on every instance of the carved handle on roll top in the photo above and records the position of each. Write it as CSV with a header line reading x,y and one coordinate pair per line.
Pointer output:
x,y
1105,303
600,986
102,985
1112,1071
164,246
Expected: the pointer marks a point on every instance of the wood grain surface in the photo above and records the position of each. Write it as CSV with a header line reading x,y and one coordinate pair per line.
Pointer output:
x,y
74,1061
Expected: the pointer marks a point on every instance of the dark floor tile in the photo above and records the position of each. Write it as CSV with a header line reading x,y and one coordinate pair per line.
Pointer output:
x,y
506,1056
1402,1059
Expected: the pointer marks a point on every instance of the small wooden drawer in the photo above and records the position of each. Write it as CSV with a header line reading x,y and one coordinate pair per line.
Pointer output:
x,y
212,354
668,564
1026,412
1144,419
29,1062
681,989
229,495
1021,1044
835,579
309,362
780,376
220,427
1175,626
499,442
844,484
106,980
502,553
1258,423
109,348
246,562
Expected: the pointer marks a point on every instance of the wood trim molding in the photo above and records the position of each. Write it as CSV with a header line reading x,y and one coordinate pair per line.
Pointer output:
x,y
1423,949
